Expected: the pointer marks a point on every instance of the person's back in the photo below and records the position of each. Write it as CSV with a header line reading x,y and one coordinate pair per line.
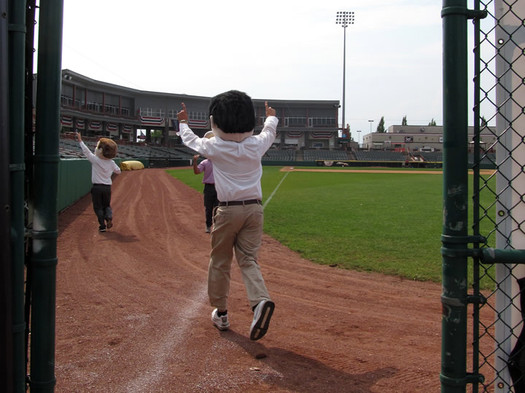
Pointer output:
x,y
237,168
235,152
238,222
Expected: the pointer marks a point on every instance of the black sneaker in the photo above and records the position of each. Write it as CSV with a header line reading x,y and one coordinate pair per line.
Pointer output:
x,y
102,229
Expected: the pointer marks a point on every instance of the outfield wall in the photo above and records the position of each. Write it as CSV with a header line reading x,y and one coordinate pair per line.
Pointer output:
x,y
74,177
394,164
74,181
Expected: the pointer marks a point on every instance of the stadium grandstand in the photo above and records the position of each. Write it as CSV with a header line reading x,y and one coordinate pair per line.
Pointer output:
x,y
144,125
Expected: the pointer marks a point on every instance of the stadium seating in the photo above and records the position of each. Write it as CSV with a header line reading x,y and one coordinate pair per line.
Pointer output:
x,y
69,148
379,155
325,155
162,155
279,155
436,156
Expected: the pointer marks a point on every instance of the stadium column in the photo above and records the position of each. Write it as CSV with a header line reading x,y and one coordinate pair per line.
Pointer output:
x,y
44,257
455,197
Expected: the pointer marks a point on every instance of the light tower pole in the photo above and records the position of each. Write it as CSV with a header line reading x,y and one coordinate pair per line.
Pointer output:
x,y
344,18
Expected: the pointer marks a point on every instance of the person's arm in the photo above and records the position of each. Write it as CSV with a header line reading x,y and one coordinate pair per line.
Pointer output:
x,y
269,110
188,136
89,155
269,131
116,169
182,116
195,163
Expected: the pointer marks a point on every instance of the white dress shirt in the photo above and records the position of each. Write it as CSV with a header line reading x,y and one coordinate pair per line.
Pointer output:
x,y
237,165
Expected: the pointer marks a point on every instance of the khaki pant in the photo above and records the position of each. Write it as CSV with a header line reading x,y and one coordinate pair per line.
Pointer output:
x,y
239,229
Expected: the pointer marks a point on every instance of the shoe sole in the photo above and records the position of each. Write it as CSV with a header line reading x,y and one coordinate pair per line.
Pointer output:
x,y
260,327
221,328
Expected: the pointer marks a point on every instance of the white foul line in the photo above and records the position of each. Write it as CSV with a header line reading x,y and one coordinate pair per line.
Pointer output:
x,y
275,190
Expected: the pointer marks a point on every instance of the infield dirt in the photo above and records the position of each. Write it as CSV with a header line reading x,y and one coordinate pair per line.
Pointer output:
x,y
133,316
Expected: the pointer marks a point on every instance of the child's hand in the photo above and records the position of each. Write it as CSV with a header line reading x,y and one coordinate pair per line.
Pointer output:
x,y
79,137
182,116
269,110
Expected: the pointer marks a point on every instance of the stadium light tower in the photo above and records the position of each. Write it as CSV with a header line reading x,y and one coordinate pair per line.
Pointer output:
x,y
344,18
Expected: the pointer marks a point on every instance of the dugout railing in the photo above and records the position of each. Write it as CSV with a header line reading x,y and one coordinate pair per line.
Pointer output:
x,y
483,238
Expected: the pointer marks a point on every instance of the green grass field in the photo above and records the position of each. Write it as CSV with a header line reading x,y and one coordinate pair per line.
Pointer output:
x,y
389,223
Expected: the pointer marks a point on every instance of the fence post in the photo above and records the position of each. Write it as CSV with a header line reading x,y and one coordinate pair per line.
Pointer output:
x,y
16,70
45,234
6,294
455,197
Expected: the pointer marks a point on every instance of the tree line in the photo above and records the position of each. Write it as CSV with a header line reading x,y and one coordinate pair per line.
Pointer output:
x,y
381,124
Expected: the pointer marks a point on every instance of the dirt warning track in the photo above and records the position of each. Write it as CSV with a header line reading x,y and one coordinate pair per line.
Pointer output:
x,y
132,310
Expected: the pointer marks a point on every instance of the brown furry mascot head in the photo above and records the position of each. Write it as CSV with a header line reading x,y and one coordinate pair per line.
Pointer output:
x,y
106,148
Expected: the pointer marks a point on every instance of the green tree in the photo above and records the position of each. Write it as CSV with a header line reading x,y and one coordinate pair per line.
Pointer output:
x,y
381,125
432,123
404,121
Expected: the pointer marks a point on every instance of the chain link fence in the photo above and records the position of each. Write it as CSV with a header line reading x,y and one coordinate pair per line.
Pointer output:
x,y
498,337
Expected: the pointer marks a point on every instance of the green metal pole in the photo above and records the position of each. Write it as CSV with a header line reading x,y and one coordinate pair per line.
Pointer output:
x,y
29,144
455,194
44,258
16,71
6,289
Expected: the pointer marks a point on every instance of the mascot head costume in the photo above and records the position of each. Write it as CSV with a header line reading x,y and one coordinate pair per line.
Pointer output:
x,y
106,149
232,116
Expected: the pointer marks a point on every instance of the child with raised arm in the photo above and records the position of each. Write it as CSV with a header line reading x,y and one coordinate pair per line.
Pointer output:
x,y
238,222
102,168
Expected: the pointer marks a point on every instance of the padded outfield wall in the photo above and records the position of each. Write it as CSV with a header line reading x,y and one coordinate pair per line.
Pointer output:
x,y
74,177
74,181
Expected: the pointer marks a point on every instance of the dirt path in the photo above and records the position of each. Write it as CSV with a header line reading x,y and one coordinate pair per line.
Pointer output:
x,y
133,316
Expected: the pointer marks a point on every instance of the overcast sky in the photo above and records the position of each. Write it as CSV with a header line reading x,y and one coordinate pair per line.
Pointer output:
x,y
287,49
